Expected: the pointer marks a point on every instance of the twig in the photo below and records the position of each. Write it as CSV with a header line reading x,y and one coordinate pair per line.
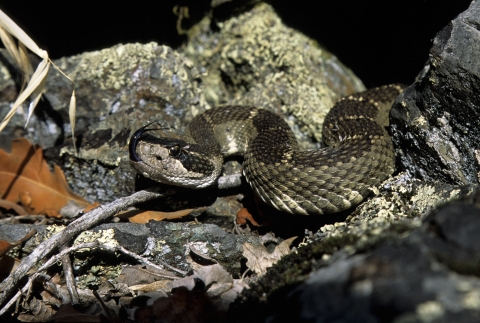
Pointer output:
x,y
145,261
105,308
47,264
18,218
85,222
66,251
69,278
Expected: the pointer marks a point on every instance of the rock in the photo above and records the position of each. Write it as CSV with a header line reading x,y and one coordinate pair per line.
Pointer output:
x,y
408,275
254,59
120,89
160,242
434,122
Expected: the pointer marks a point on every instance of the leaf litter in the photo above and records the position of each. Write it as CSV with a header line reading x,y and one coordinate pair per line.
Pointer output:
x,y
26,179
259,259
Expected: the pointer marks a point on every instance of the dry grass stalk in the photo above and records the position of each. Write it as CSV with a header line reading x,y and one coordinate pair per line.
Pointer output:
x,y
36,83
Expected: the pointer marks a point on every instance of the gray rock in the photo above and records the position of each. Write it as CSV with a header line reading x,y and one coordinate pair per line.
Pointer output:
x,y
434,123
159,242
425,274
255,59
120,89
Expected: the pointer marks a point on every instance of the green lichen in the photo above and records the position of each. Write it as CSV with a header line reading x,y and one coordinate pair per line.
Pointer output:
x,y
111,68
254,59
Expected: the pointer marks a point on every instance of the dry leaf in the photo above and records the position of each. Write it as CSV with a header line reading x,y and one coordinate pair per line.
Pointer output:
x,y
259,259
140,216
35,310
7,263
221,287
36,81
243,215
26,179
138,275
7,266
156,285
5,246
213,274
182,306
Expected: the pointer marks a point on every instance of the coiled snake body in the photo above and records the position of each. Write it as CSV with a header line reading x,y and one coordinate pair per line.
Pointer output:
x,y
359,153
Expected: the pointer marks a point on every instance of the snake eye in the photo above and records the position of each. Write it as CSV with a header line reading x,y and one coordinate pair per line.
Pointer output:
x,y
174,150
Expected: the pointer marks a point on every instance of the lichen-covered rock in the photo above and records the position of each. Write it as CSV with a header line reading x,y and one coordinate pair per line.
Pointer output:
x,y
394,258
434,123
118,90
254,59
406,274
160,242
400,198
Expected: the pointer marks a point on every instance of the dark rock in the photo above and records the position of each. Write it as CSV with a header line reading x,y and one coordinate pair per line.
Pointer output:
x,y
412,276
434,123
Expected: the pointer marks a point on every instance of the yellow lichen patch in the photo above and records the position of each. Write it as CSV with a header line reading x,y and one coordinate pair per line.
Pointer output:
x,y
106,237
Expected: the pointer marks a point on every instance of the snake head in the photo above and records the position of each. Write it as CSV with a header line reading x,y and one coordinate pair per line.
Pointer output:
x,y
172,161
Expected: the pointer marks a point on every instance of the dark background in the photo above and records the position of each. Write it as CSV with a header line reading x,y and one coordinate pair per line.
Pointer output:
x,y
382,41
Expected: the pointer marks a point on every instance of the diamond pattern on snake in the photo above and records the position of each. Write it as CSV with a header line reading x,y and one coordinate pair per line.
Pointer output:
x,y
358,153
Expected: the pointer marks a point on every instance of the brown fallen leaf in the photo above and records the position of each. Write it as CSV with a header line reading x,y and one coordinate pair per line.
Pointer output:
x,y
35,310
221,287
140,275
26,179
156,285
7,266
140,216
5,246
259,259
243,215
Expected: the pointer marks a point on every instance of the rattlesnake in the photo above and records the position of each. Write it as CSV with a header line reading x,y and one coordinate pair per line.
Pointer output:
x,y
359,153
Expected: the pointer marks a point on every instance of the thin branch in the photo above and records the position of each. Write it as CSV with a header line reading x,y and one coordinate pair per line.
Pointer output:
x,y
145,261
69,278
83,223
64,254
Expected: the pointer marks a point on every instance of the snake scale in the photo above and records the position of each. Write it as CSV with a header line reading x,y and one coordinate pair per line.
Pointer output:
x,y
358,153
